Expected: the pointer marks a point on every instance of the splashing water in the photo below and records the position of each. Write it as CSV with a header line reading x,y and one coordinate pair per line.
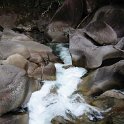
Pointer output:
x,y
57,98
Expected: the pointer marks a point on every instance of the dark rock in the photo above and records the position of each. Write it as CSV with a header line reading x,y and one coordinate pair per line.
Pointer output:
x,y
68,15
20,118
112,15
70,12
8,20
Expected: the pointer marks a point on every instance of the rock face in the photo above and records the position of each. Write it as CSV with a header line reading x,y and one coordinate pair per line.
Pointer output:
x,y
87,46
86,53
21,51
15,88
103,79
9,48
68,15
9,35
20,118
49,72
101,33
57,31
113,16
8,20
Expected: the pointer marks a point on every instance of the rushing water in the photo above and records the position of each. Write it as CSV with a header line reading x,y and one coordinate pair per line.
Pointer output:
x,y
57,98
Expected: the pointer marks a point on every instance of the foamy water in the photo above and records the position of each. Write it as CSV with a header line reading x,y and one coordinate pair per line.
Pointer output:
x,y
57,98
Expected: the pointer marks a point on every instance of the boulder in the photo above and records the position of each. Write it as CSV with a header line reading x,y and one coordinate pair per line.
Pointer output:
x,y
68,15
85,53
58,32
8,48
40,55
42,72
113,16
15,88
113,94
35,71
35,49
49,72
16,60
103,79
11,36
101,33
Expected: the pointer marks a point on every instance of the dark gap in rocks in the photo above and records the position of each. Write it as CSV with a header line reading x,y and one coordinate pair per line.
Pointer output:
x,y
109,62
18,30
34,33
119,77
37,36
17,111
92,40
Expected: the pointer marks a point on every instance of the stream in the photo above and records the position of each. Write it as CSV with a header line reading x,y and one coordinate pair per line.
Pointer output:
x,y
59,97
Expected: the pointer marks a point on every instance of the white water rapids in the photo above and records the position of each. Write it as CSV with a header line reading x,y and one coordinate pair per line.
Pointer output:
x,y
57,98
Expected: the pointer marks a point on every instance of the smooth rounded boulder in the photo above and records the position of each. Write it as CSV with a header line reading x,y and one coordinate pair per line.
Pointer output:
x,y
113,16
15,88
101,33
9,48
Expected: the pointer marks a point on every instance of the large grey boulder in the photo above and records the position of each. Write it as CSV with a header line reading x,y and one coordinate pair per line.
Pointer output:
x,y
101,33
15,88
86,53
112,15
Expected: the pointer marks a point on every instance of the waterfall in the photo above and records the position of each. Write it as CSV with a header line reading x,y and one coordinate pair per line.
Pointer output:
x,y
57,98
